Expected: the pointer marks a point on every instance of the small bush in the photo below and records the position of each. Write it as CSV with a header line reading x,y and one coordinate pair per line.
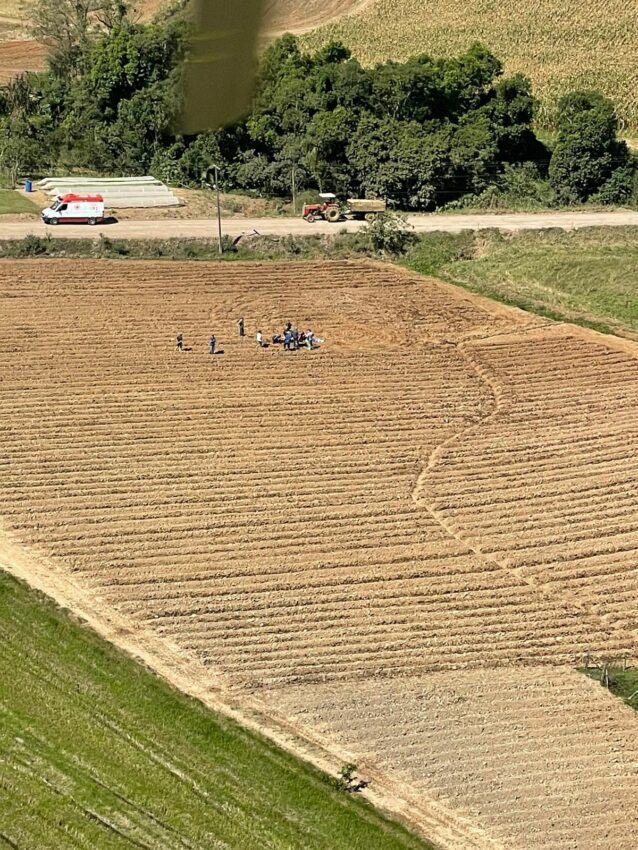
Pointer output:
x,y
389,233
32,246
346,781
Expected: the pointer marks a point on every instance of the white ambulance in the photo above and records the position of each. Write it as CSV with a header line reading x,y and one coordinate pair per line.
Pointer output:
x,y
75,209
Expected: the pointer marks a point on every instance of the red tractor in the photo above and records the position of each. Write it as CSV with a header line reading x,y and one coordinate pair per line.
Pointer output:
x,y
356,209
328,210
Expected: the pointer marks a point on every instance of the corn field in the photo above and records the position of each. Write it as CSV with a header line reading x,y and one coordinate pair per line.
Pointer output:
x,y
559,44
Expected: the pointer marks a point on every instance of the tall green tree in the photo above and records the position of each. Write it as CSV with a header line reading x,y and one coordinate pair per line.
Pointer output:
x,y
67,26
589,161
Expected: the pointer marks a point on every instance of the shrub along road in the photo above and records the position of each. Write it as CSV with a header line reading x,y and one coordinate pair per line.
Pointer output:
x,y
165,229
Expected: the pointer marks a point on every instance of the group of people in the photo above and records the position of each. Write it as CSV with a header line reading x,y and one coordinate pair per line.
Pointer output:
x,y
294,339
291,338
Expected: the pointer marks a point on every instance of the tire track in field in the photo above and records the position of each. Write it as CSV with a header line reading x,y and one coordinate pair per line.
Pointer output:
x,y
607,623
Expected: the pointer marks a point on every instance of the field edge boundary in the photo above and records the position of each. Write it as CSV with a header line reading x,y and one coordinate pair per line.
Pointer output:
x,y
431,820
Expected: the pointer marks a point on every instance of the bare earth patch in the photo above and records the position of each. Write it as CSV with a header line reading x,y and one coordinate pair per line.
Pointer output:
x,y
299,16
393,548
17,56
544,758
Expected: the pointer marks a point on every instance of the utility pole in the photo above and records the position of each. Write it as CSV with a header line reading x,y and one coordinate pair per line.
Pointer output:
x,y
219,210
294,189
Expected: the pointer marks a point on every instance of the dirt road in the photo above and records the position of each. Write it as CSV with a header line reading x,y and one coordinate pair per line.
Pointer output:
x,y
289,226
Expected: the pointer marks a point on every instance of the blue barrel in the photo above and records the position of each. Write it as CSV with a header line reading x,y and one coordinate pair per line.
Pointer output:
x,y
28,186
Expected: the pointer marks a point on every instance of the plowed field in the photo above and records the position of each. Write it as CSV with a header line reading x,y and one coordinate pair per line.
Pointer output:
x,y
19,56
439,501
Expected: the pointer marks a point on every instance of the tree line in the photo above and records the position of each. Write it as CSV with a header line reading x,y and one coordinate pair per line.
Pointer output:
x,y
424,133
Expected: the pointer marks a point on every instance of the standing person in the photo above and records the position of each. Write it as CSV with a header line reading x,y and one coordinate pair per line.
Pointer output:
x,y
309,339
260,339
240,327
212,342
179,342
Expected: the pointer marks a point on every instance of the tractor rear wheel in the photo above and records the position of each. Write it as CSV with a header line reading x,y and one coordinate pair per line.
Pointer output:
x,y
333,215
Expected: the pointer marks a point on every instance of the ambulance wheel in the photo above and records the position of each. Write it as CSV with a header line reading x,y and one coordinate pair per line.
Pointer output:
x,y
92,221
53,221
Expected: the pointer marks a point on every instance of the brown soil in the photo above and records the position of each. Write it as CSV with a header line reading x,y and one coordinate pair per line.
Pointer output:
x,y
18,56
440,499
18,53
540,756
300,16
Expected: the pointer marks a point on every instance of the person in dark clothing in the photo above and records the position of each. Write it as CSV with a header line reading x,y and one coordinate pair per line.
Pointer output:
x,y
240,327
179,342
212,342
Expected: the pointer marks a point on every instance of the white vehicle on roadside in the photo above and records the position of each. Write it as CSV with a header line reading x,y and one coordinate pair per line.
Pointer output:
x,y
75,209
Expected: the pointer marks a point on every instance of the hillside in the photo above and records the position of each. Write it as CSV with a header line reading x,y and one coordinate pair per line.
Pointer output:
x,y
560,44
19,53
108,756
298,16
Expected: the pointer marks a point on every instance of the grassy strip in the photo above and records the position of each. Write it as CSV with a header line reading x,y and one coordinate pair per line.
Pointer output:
x,y
97,752
338,246
586,276
622,683
12,202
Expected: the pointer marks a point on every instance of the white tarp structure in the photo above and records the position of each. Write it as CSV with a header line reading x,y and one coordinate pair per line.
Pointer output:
x,y
118,192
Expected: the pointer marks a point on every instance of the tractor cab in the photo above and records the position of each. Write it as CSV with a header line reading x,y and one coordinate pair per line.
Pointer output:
x,y
328,209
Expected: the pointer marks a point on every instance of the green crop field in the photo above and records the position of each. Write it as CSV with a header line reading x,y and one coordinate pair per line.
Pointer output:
x,y
586,276
12,202
560,44
96,753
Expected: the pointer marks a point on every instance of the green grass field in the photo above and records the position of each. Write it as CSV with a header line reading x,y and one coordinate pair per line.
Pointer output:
x,y
96,753
587,276
622,683
12,202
